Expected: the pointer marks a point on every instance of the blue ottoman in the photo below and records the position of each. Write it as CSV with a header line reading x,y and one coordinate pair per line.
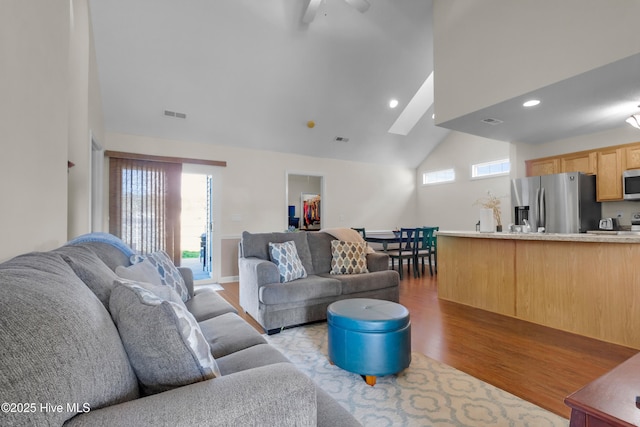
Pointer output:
x,y
369,337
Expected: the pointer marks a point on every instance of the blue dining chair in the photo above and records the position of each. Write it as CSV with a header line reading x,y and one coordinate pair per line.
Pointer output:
x,y
426,247
405,240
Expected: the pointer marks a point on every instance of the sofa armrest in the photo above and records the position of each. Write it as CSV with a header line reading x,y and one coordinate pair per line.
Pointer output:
x,y
276,395
187,275
377,261
253,273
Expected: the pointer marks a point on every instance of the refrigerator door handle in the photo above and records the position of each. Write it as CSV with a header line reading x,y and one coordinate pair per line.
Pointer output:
x,y
543,209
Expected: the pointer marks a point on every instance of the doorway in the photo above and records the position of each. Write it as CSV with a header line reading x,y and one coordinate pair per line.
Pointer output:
x,y
305,201
200,210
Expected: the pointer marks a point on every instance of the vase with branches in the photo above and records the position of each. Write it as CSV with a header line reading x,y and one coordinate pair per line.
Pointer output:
x,y
491,201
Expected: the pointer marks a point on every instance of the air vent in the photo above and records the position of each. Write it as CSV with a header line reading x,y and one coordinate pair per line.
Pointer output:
x,y
174,114
491,121
341,139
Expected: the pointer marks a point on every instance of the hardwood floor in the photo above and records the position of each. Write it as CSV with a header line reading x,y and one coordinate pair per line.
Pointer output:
x,y
536,363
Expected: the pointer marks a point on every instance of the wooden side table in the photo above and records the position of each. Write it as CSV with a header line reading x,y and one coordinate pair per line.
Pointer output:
x,y
609,400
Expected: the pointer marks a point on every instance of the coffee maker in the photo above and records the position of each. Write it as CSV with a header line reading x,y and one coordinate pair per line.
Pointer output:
x,y
521,213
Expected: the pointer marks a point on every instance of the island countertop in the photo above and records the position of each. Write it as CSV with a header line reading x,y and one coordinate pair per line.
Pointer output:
x,y
596,236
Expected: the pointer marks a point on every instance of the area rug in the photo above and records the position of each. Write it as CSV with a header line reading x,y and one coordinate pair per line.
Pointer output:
x,y
428,393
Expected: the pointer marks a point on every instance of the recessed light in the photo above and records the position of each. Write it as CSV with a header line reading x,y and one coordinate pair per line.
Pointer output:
x,y
393,103
531,103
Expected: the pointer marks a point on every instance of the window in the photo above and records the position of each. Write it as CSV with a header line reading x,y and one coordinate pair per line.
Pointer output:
x,y
436,177
497,167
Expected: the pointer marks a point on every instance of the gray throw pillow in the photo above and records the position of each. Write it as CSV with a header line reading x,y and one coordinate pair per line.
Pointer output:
x,y
285,256
143,271
167,349
90,269
168,272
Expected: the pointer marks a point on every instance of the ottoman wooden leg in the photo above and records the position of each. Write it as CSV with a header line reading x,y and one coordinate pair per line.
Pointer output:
x,y
370,379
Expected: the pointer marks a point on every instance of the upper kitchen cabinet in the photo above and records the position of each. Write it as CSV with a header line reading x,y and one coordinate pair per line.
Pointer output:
x,y
609,177
632,157
546,166
585,162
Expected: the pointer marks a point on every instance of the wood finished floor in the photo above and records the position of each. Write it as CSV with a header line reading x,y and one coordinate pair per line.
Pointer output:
x,y
535,363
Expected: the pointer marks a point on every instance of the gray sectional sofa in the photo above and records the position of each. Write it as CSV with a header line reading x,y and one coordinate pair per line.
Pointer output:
x,y
64,361
275,305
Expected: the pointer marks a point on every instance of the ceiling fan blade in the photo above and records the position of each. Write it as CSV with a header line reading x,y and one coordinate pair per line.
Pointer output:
x,y
310,12
361,5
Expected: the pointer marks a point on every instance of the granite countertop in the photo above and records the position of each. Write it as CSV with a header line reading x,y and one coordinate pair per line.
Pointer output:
x,y
595,236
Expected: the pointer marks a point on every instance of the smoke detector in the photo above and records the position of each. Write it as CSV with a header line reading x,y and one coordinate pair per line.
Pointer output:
x,y
491,121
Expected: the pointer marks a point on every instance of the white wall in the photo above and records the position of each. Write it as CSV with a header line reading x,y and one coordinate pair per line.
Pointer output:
x,y
451,206
253,186
504,48
33,125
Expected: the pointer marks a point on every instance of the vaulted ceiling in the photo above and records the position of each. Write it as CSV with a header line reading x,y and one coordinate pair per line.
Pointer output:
x,y
251,73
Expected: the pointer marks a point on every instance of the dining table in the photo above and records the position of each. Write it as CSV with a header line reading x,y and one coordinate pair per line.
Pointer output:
x,y
384,238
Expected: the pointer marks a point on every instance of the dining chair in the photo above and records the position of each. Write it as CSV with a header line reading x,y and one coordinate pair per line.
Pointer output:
x,y
405,241
426,247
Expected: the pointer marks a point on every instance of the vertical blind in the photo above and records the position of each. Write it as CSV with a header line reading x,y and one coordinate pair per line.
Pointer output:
x,y
145,204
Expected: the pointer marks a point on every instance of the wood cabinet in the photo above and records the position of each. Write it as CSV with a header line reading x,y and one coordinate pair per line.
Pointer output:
x,y
585,162
609,177
545,166
632,157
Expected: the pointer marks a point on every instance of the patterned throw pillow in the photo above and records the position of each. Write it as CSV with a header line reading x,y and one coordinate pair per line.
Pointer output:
x,y
285,256
348,257
168,349
169,273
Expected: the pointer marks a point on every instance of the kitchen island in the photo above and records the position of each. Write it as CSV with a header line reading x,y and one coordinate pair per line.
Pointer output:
x,y
588,284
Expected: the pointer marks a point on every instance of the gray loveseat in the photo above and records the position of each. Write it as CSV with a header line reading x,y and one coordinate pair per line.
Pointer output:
x,y
276,305
64,362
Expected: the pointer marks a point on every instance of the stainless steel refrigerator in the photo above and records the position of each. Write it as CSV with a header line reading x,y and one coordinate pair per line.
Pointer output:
x,y
561,203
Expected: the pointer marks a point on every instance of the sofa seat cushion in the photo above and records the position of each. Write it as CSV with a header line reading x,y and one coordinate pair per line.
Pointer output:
x,y
249,358
305,289
229,333
355,283
207,304
164,342
57,342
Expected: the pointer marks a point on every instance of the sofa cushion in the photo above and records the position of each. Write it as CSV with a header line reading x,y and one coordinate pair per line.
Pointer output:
x,y
90,269
285,257
257,245
348,257
305,289
229,333
207,304
252,357
167,349
167,271
57,342
355,283
320,247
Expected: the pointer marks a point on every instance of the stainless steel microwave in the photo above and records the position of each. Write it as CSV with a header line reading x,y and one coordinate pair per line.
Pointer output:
x,y
631,184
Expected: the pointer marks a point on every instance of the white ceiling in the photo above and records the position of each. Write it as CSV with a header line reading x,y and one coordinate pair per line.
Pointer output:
x,y
249,73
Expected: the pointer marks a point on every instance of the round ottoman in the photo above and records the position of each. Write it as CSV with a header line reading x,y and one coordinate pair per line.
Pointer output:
x,y
369,337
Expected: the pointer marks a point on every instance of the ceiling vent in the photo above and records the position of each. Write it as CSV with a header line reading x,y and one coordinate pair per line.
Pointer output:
x,y
341,139
491,121
174,114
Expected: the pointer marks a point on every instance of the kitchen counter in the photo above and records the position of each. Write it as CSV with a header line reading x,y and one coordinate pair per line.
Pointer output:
x,y
595,236
586,283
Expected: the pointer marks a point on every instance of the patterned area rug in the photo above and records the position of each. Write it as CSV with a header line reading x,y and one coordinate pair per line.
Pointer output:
x,y
428,393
